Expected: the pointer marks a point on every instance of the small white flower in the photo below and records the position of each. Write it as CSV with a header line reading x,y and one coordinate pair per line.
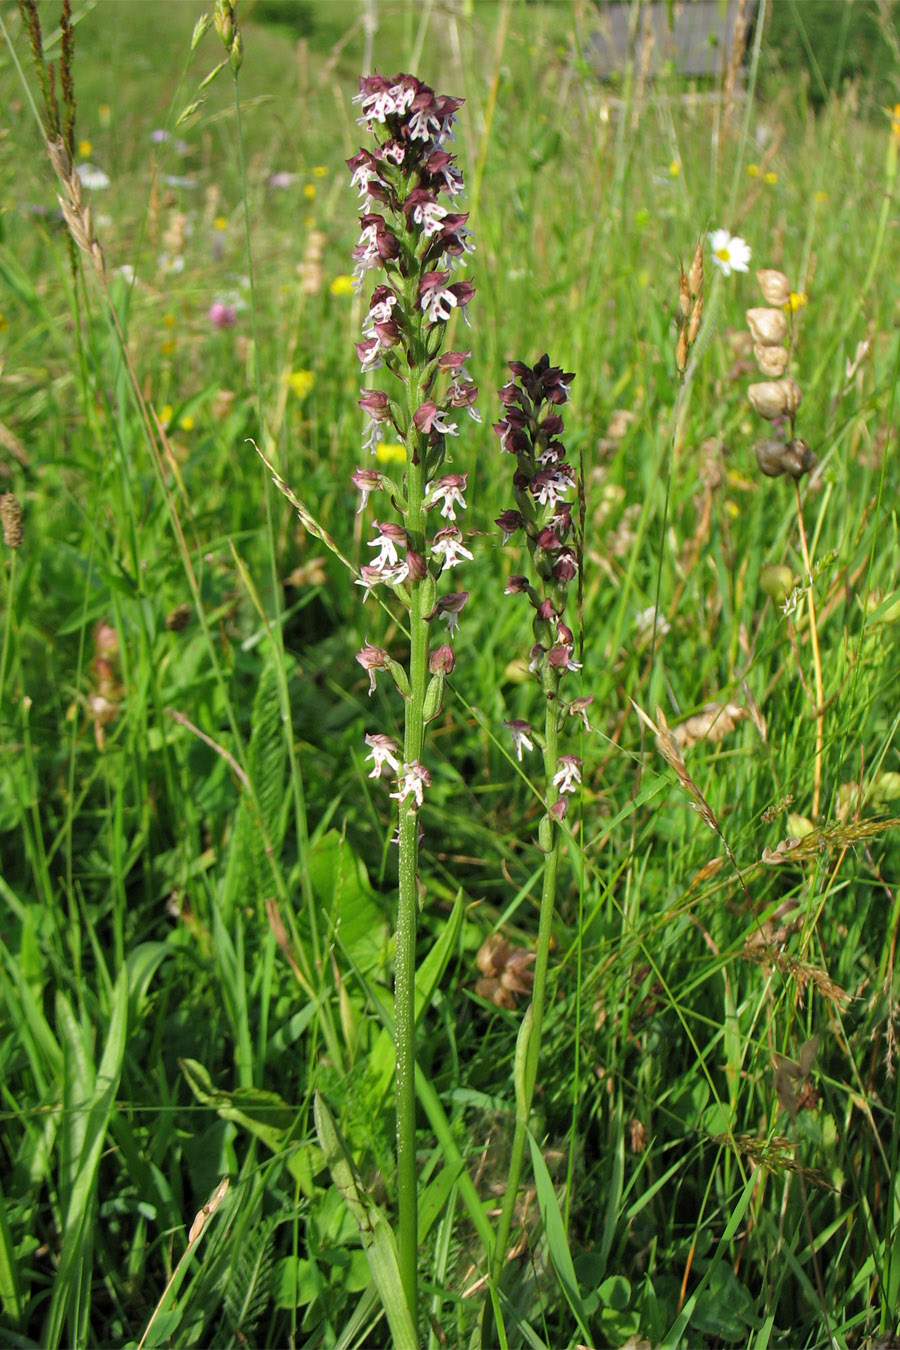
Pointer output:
x,y
568,774
383,751
521,736
730,253
413,781
92,177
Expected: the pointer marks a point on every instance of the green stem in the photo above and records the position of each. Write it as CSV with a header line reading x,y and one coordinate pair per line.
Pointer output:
x,y
550,838
407,909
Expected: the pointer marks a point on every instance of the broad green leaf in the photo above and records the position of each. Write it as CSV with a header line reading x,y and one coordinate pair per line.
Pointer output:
x,y
376,1233
557,1242
86,1131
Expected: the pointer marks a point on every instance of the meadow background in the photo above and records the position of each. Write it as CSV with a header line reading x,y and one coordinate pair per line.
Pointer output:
x,y
197,880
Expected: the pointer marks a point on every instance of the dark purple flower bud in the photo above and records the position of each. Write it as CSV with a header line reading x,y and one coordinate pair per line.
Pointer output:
x,y
559,809
565,634
565,567
548,540
441,661
516,584
388,334
424,416
546,611
376,404
368,481
452,362
416,567
552,424
509,522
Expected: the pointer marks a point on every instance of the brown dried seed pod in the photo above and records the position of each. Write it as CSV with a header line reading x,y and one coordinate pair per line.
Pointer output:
x,y
775,398
799,458
774,285
768,326
772,361
769,457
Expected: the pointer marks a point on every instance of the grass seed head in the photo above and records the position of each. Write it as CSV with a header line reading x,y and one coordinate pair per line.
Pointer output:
x,y
12,519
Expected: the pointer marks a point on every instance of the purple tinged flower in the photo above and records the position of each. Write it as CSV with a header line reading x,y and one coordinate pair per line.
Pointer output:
x,y
549,486
391,538
449,490
448,609
281,179
565,566
560,809
521,736
441,661
383,751
221,315
378,407
369,353
451,363
516,585
159,136
568,774
438,300
429,419
447,544
560,657
578,708
422,209
371,659
376,404
369,577
463,395
368,481
412,783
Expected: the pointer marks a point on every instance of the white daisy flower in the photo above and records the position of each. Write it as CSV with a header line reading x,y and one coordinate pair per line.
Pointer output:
x,y
730,253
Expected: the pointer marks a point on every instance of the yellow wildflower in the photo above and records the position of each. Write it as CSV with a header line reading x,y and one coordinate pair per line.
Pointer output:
x,y
169,320
895,122
320,171
84,149
674,169
168,346
797,301
187,422
300,381
342,285
309,191
770,177
220,223
752,170
165,414
390,452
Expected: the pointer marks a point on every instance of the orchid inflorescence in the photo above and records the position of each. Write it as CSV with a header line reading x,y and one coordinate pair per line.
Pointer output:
x,y
530,429
416,241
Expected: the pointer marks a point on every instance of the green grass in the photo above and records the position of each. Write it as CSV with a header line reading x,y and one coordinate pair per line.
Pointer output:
x,y
198,893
